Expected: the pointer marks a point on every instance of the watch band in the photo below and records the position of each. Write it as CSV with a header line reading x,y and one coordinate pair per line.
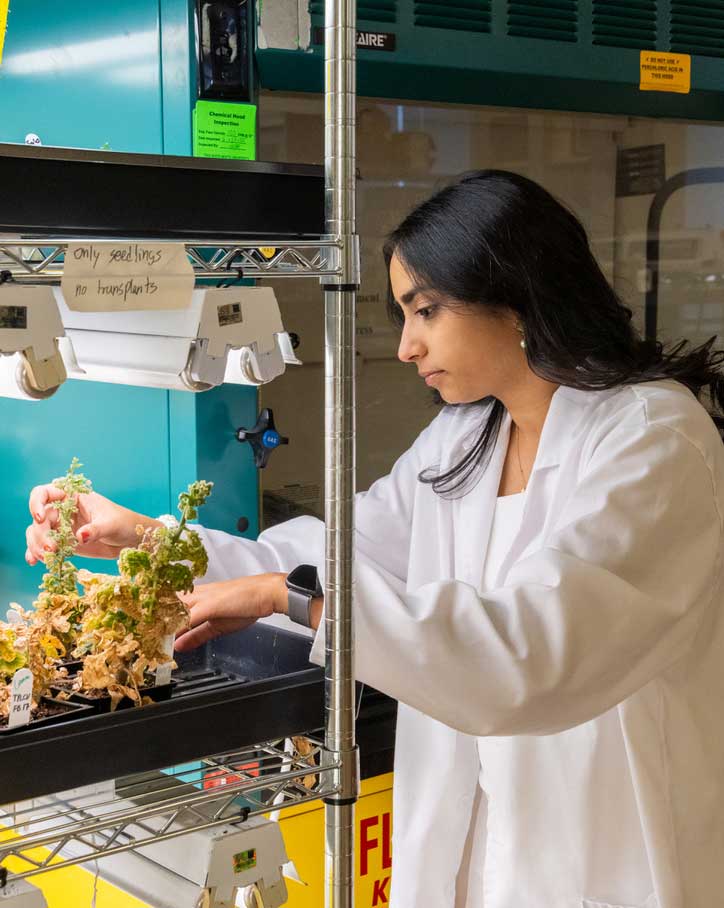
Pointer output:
x,y
302,587
300,607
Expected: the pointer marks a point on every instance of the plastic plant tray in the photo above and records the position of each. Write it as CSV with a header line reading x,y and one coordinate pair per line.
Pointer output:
x,y
70,711
102,703
258,686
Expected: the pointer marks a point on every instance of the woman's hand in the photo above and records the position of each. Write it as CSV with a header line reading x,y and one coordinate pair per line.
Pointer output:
x,y
230,605
101,526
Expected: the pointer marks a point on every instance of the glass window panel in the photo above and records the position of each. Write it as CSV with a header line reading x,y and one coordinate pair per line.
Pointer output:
x,y
407,150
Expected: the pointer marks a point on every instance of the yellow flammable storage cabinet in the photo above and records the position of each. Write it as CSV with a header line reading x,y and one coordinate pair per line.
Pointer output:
x,y
303,830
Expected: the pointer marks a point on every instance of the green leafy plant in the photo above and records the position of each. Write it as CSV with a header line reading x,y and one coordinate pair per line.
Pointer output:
x,y
62,573
167,559
27,644
11,659
130,619
59,607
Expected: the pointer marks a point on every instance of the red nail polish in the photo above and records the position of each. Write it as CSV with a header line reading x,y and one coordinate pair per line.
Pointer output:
x,y
85,535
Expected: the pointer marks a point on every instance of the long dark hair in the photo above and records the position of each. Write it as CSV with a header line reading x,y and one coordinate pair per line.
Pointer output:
x,y
499,240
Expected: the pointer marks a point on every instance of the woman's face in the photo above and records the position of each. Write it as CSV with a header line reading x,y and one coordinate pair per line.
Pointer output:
x,y
466,354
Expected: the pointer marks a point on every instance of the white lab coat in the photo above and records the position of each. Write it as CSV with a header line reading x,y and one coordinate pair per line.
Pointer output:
x,y
592,675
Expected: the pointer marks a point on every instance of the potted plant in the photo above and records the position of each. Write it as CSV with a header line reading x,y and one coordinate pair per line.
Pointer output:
x,y
129,620
26,644
59,608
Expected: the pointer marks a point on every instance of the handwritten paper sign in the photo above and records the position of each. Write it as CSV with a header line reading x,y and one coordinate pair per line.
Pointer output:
x,y
21,698
108,277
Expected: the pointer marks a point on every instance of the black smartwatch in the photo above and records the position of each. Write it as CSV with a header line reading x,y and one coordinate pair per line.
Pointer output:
x,y
303,585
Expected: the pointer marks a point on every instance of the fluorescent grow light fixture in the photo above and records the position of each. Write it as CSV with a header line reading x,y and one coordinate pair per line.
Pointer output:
x,y
232,335
31,366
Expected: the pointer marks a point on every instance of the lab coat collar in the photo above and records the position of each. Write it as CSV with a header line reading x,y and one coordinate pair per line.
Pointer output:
x,y
475,509
564,420
567,408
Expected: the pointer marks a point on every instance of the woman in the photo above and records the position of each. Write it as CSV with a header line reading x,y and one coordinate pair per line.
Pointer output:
x,y
538,580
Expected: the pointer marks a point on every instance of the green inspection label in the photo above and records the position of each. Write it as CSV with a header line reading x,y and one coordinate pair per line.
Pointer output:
x,y
223,130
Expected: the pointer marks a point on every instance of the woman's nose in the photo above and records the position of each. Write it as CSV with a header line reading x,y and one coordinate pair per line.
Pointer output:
x,y
411,347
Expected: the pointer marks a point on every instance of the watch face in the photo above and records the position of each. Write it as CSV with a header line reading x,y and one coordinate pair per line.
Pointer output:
x,y
304,579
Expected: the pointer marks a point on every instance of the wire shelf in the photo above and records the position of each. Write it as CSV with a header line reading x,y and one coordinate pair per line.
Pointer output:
x,y
40,260
154,807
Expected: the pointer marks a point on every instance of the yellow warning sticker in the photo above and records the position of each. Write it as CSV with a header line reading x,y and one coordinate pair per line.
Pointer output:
x,y
3,23
665,72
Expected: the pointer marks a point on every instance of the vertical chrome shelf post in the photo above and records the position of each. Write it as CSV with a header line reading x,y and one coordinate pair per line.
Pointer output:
x,y
340,298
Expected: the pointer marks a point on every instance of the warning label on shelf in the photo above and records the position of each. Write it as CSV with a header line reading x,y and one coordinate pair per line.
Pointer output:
x,y
665,72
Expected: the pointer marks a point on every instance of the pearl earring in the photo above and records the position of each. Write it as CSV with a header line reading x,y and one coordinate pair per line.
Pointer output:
x,y
519,329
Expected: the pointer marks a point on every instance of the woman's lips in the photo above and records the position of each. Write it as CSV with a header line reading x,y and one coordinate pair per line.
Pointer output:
x,y
431,377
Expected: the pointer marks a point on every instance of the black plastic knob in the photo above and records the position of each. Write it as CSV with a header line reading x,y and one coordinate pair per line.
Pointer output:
x,y
263,438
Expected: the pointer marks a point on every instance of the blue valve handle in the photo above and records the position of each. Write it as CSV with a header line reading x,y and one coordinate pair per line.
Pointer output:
x,y
263,438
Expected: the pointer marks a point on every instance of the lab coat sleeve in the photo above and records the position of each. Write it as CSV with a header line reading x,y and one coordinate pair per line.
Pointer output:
x,y
388,503
613,599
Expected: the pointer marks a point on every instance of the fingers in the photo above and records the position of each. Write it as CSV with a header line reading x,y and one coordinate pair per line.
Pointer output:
x,y
38,543
45,518
39,499
190,639
209,630
90,538
202,612
219,602
87,533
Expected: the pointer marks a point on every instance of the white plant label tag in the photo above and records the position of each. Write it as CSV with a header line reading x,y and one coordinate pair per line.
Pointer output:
x,y
118,277
163,672
21,697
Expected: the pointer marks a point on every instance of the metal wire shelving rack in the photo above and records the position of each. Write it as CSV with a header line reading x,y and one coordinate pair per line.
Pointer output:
x,y
155,807
41,262
122,822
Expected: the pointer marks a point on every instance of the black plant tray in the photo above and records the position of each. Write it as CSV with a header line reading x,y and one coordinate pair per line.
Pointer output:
x,y
237,691
71,711
102,703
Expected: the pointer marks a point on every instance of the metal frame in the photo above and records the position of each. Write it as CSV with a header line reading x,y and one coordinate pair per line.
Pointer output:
x,y
39,262
699,176
340,299
334,258
156,807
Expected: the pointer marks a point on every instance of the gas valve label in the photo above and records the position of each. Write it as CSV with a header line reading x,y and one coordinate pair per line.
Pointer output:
x,y
665,72
110,277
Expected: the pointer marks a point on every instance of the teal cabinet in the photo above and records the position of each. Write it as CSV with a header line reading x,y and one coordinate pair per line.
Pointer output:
x,y
119,76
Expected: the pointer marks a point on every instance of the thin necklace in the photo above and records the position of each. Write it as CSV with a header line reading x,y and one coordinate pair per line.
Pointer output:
x,y
520,463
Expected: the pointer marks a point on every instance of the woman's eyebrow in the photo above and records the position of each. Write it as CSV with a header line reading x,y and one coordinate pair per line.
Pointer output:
x,y
410,295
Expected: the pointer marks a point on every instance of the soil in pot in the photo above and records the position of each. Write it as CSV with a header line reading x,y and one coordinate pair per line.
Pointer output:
x,y
48,712
101,702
